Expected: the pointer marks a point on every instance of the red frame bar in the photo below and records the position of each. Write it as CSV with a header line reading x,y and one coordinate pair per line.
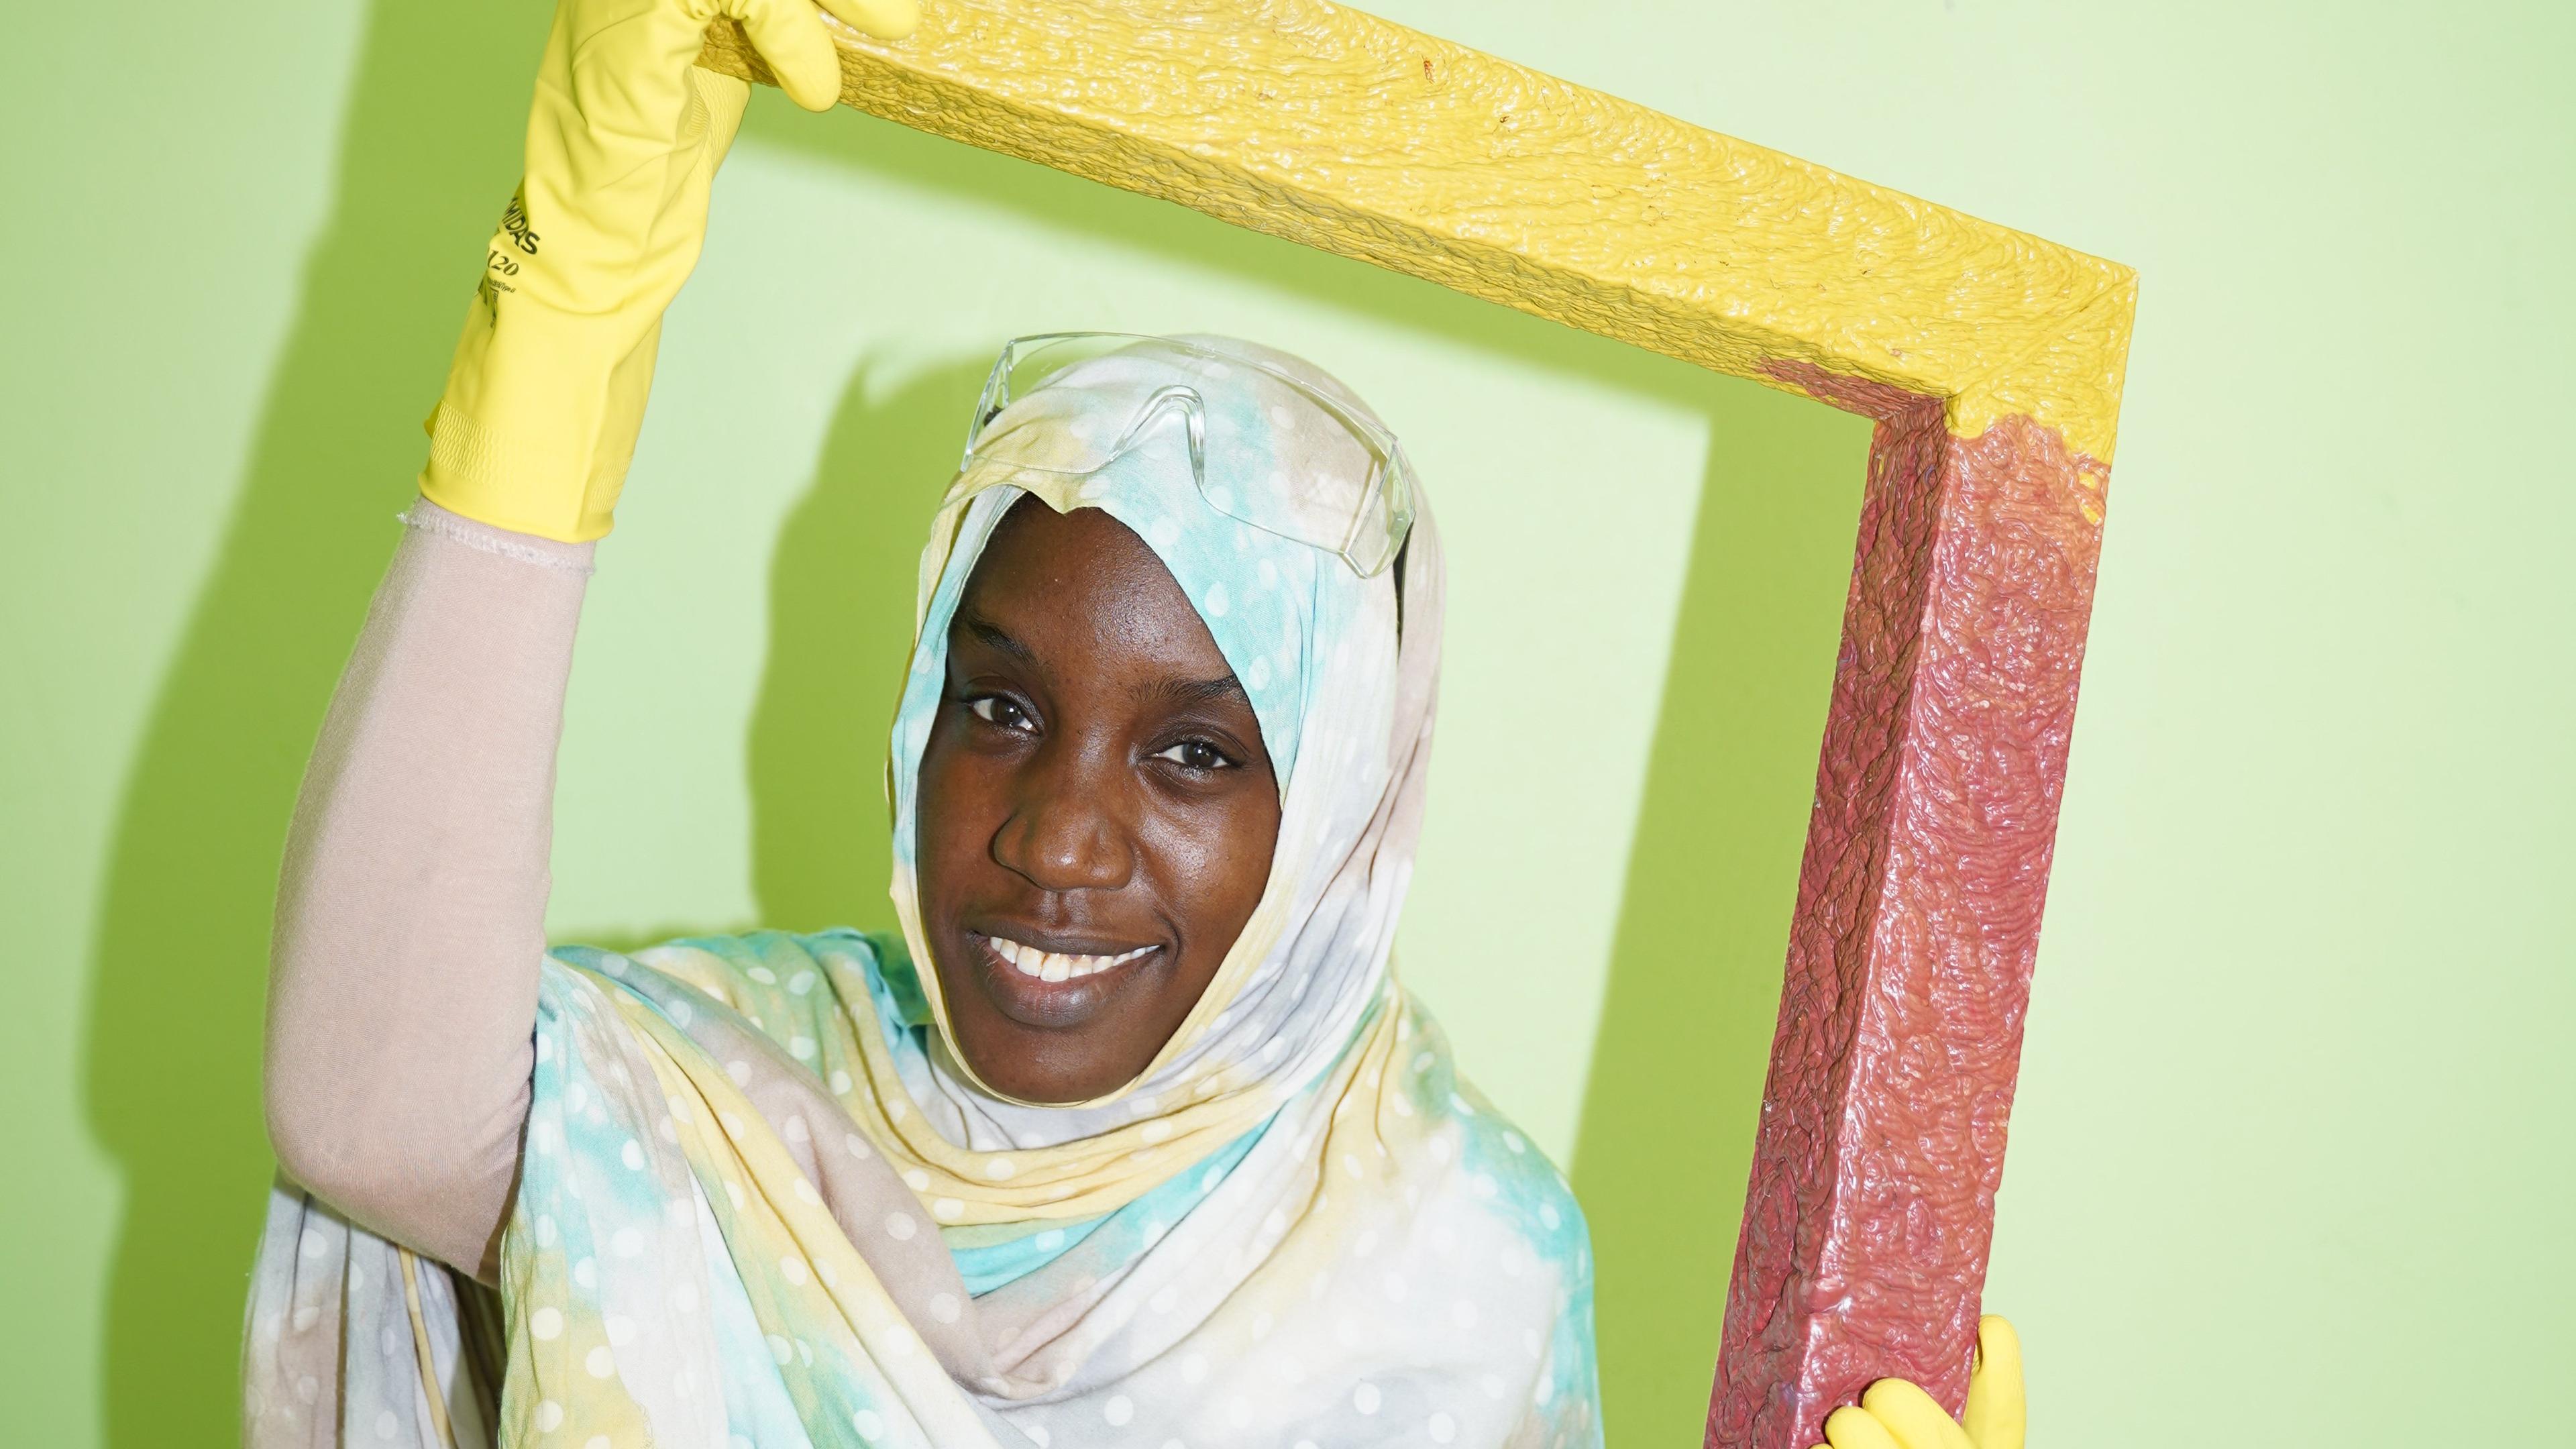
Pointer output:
x,y
1871,1207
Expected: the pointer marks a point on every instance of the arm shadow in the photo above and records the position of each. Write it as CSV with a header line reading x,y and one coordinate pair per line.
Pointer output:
x,y
170,1086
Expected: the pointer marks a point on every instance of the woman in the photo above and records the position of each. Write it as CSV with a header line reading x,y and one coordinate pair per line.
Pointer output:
x,y
1153,1152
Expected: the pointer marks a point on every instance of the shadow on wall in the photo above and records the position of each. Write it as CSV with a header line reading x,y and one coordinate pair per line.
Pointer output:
x,y
428,154
839,634
1695,967
840,630
429,151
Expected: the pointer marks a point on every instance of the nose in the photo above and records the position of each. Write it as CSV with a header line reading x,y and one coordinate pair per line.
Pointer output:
x,y
1065,832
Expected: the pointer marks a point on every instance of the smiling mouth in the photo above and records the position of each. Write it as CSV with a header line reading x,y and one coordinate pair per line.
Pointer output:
x,y
1043,965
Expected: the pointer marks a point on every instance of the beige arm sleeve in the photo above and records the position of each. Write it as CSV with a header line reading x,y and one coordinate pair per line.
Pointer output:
x,y
411,910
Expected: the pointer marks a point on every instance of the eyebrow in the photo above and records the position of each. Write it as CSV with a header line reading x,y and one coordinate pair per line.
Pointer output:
x,y
1173,691
998,637
1195,691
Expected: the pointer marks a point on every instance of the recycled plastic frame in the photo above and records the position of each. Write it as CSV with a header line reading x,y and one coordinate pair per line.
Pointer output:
x,y
1991,362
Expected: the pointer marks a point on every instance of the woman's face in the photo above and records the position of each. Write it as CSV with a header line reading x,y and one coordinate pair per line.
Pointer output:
x,y
1096,808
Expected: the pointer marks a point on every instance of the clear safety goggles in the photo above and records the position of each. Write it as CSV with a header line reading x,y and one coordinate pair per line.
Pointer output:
x,y
1360,514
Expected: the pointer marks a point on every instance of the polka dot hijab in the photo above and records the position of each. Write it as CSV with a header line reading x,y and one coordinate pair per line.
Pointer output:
x,y
765,1202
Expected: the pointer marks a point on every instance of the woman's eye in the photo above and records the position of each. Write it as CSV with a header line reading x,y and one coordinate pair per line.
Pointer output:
x,y
1195,755
994,709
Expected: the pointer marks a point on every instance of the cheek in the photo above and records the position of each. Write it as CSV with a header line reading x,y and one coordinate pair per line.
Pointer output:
x,y
1215,857
947,808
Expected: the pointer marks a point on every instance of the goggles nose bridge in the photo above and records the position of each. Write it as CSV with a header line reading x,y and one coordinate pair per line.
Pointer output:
x,y
1193,409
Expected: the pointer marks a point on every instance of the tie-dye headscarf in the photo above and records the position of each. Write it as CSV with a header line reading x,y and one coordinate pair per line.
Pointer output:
x,y
765,1202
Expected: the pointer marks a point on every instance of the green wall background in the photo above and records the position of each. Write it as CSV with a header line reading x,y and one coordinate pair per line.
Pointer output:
x,y
2291,1159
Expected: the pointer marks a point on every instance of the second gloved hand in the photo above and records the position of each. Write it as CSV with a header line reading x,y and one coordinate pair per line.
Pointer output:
x,y
545,394
1895,1414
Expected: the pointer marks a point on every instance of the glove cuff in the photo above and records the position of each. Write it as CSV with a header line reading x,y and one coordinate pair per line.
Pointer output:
x,y
537,426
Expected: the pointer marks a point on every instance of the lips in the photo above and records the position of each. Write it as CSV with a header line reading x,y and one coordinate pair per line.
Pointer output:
x,y
1055,983
1029,960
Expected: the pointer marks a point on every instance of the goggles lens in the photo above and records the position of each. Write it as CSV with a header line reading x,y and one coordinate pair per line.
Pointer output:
x,y
1353,498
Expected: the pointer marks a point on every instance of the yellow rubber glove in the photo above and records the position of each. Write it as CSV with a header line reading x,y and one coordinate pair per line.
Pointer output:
x,y
1895,1414
547,389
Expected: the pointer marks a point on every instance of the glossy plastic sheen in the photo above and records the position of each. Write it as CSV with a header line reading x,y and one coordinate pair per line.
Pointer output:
x,y
1992,361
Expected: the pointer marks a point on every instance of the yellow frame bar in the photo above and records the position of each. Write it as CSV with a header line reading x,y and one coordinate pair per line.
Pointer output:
x,y
1992,361
1355,135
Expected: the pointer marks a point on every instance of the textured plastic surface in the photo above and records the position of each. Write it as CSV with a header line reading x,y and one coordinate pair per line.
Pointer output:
x,y
1882,1135
1992,361
1346,132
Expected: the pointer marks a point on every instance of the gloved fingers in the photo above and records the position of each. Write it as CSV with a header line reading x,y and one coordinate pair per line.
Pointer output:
x,y
884,19
789,34
1997,1416
1912,1416
1851,1428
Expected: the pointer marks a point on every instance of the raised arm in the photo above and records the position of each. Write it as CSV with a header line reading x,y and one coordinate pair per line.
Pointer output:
x,y
411,913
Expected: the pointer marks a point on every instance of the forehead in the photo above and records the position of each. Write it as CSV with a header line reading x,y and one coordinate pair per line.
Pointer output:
x,y
1081,588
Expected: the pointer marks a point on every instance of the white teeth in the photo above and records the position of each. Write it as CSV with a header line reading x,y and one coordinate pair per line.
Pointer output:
x,y
1056,966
